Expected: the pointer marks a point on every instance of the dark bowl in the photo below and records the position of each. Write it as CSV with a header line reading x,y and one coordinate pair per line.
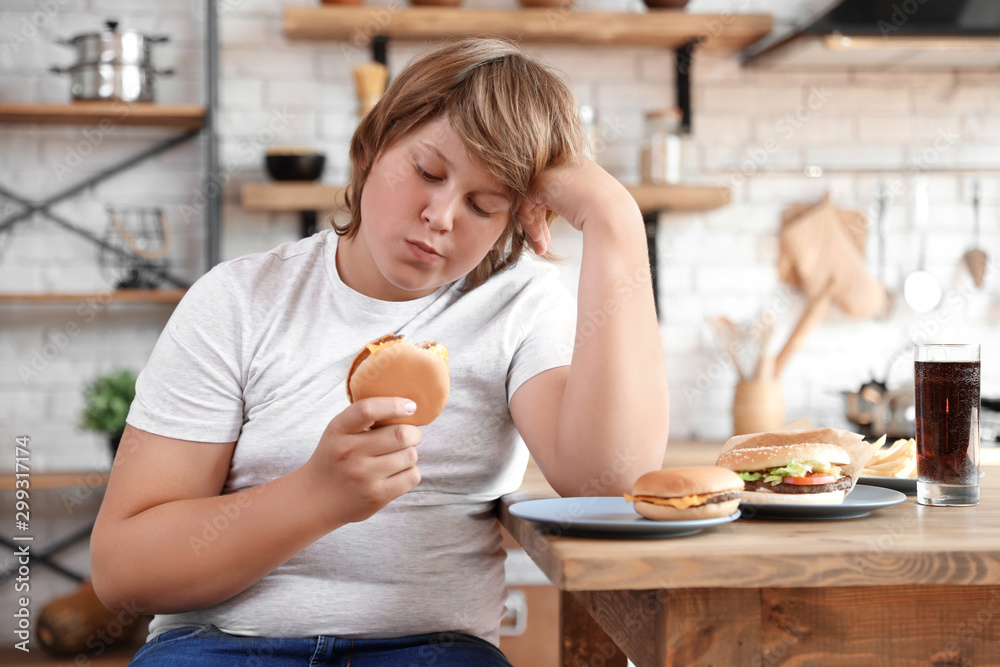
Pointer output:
x,y
295,166
666,4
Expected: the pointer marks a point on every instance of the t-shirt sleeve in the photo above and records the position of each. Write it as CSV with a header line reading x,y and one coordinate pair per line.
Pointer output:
x,y
548,323
192,386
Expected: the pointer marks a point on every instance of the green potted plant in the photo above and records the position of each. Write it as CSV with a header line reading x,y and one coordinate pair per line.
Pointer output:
x,y
106,400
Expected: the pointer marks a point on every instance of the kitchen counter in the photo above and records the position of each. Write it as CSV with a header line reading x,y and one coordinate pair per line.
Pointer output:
x,y
905,585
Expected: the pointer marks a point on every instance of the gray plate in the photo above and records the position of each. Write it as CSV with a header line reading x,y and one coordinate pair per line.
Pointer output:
x,y
607,516
861,501
906,485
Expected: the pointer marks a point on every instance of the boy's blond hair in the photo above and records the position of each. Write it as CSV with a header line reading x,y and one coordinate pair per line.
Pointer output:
x,y
514,116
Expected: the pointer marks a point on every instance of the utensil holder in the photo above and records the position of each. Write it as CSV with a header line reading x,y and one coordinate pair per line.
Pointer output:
x,y
758,406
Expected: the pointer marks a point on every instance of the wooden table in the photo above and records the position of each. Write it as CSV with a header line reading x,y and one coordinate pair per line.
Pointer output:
x,y
906,585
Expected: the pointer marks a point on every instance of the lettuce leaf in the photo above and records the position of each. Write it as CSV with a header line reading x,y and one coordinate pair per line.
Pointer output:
x,y
800,469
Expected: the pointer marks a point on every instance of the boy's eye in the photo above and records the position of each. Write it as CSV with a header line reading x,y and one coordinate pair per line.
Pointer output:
x,y
478,210
425,175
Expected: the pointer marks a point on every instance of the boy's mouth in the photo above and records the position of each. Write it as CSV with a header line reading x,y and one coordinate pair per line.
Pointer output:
x,y
423,251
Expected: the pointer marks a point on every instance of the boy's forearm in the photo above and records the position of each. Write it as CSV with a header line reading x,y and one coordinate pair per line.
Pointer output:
x,y
192,554
615,411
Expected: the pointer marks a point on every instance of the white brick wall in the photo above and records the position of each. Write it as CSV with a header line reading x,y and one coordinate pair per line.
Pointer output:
x,y
754,130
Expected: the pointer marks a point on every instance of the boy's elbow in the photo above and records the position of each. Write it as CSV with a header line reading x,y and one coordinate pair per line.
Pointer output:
x,y
110,581
104,582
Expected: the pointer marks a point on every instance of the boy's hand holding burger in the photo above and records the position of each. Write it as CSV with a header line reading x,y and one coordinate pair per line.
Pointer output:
x,y
367,456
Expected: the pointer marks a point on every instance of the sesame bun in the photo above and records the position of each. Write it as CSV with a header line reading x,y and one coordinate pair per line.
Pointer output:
x,y
391,366
686,494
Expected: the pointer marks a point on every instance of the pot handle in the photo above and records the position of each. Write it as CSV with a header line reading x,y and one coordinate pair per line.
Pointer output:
x,y
162,72
59,70
157,39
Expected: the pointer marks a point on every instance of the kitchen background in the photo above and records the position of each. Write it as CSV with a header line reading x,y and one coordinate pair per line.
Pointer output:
x,y
753,130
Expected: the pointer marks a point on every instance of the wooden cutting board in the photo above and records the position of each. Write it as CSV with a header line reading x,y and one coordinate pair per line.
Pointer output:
x,y
822,252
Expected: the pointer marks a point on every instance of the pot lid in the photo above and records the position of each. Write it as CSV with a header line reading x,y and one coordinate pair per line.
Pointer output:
x,y
110,31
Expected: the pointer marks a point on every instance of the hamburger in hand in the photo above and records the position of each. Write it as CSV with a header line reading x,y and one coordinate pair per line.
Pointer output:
x,y
810,473
391,366
685,494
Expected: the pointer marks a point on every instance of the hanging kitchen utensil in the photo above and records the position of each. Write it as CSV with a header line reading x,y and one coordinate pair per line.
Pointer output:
x,y
817,250
853,222
921,289
975,258
881,208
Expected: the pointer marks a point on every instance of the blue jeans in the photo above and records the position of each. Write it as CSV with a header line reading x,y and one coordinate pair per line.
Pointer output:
x,y
209,646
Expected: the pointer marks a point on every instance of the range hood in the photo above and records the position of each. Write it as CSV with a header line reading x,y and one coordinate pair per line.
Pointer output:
x,y
894,34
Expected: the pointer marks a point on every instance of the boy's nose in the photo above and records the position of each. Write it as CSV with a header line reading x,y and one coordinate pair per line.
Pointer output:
x,y
440,212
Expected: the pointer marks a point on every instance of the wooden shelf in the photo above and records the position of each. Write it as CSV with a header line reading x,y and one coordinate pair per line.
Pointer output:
x,y
679,197
313,197
117,296
665,28
185,116
290,196
49,481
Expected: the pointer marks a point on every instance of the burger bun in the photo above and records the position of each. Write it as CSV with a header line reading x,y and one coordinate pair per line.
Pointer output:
x,y
771,498
391,366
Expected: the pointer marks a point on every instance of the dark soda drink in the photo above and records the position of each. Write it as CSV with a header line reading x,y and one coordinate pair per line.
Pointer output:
x,y
947,421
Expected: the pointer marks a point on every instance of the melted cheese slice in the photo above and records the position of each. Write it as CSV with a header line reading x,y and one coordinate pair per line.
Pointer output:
x,y
375,347
434,348
681,502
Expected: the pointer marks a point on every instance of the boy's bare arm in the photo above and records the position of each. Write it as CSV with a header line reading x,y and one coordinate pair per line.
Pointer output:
x,y
595,427
165,541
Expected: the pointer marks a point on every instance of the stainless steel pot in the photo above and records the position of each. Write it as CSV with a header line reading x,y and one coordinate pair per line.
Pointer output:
x,y
892,413
129,47
896,414
112,81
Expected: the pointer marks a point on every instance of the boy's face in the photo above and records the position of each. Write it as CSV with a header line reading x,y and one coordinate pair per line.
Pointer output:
x,y
429,215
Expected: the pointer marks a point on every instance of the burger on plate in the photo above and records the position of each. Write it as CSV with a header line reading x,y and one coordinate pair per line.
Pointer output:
x,y
686,494
809,473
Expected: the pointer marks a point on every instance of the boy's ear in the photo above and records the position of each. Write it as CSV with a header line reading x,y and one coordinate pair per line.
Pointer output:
x,y
362,161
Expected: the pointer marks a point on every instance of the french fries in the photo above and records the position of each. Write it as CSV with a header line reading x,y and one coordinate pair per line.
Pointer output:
x,y
898,460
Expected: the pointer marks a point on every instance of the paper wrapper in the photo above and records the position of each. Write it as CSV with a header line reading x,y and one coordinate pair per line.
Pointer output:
x,y
802,431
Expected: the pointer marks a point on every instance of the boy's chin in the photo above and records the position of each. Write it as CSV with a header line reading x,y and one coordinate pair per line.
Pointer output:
x,y
418,280
409,288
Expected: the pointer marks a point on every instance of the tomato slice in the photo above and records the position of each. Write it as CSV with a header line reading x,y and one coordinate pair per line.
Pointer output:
x,y
818,478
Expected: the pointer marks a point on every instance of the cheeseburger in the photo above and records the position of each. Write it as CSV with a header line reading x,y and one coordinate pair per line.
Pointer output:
x,y
391,366
809,473
684,494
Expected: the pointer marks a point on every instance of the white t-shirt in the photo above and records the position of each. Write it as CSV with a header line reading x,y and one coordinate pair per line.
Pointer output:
x,y
257,352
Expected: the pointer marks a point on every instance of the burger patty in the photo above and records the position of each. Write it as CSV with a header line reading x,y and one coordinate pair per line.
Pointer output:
x,y
723,497
844,483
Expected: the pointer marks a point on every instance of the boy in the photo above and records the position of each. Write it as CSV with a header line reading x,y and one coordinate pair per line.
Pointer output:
x,y
256,512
